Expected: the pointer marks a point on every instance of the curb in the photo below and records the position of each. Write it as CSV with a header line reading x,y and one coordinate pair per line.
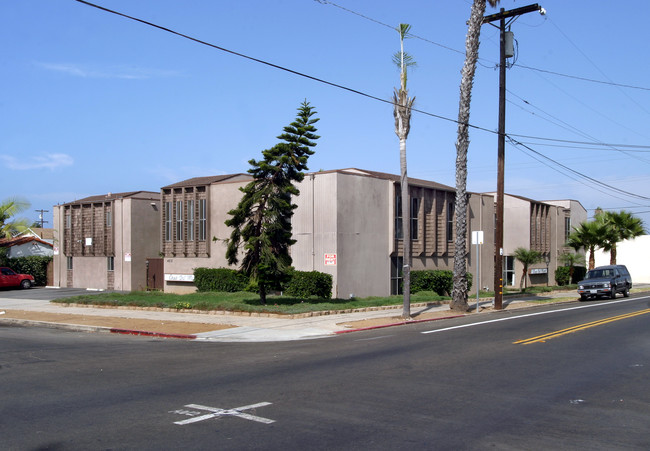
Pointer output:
x,y
400,323
151,334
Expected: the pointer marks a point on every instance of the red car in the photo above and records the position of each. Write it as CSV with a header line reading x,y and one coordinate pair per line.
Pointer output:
x,y
8,278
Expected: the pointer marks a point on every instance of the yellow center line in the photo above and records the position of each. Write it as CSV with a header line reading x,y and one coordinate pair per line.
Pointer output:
x,y
570,330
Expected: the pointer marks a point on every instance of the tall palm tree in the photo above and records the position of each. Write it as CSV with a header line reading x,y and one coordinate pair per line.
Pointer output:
x,y
620,226
588,236
402,112
527,257
459,292
8,209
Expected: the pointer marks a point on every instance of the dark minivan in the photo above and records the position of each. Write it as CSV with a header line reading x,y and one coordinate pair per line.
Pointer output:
x,y
605,281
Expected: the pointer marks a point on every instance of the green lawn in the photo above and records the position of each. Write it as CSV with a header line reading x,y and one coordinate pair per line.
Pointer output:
x,y
250,302
242,301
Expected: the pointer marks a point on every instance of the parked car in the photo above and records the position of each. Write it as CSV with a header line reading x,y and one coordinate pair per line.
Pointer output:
x,y
605,281
9,278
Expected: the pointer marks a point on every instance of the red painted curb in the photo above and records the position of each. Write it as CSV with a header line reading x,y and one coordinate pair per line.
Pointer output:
x,y
151,334
402,323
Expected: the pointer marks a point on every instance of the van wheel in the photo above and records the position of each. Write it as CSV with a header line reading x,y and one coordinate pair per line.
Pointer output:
x,y
626,293
612,294
583,298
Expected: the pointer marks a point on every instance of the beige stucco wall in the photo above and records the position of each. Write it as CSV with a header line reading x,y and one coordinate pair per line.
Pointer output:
x,y
481,218
345,216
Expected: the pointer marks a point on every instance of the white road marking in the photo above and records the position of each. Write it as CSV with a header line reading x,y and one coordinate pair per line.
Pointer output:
x,y
217,412
527,315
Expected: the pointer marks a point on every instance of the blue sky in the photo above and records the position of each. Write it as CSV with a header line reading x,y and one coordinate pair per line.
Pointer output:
x,y
95,103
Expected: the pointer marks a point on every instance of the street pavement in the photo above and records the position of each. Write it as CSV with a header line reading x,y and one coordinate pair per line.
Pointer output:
x,y
246,328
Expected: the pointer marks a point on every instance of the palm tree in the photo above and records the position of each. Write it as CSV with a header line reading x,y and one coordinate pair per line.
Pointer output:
x,y
588,236
571,260
527,257
402,113
459,292
9,208
620,226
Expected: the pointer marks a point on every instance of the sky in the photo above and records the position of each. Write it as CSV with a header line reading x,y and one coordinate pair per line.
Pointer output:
x,y
93,102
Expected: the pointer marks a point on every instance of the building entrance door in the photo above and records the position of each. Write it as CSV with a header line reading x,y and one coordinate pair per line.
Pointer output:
x,y
155,274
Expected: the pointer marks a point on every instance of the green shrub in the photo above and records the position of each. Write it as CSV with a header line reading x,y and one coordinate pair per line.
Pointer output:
x,y
219,279
35,265
304,284
438,280
562,276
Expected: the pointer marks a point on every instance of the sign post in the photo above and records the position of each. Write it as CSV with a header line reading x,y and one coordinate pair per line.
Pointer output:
x,y
477,239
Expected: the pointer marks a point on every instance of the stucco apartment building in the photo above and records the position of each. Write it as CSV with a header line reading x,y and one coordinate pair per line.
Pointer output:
x,y
103,242
537,225
346,224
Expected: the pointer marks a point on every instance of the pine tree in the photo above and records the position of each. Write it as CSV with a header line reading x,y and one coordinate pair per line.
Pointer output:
x,y
262,220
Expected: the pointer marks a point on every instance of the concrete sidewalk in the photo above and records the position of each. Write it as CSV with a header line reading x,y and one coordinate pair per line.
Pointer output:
x,y
229,327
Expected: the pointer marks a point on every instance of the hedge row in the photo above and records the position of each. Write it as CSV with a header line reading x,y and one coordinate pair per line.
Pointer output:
x,y
35,265
219,279
304,284
301,284
438,280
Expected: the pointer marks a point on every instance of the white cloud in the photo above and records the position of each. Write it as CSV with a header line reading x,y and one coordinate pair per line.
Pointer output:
x,y
25,163
102,71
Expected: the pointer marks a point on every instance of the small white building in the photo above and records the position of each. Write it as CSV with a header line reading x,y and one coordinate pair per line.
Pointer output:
x,y
633,254
27,246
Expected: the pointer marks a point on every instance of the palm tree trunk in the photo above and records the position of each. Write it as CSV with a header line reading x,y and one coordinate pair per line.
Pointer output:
x,y
612,255
592,258
406,230
459,292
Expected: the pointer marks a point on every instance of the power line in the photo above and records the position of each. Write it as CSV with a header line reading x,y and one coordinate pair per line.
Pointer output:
x,y
609,82
510,136
579,174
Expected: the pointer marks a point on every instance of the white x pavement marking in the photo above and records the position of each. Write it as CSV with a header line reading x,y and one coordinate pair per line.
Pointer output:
x,y
217,412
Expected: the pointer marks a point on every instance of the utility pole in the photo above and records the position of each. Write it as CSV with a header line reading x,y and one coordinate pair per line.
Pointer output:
x,y
498,261
40,217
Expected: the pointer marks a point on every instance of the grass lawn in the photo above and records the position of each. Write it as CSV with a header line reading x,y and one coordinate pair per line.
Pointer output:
x,y
243,301
250,302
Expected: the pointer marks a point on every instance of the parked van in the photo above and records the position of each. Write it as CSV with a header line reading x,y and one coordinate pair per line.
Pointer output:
x,y
605,281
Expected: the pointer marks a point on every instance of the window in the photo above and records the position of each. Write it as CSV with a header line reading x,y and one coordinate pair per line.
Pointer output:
x,y
179,220
203,219
110,263
168,221
509,271
190,220
68,220
450,221
68,263
396,271
109,218
415,208
398,215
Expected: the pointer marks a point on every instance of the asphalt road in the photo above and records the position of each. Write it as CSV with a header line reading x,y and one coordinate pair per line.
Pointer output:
x,y
457,384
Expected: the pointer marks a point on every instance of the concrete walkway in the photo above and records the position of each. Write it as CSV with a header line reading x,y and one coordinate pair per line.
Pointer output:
x,y
249,328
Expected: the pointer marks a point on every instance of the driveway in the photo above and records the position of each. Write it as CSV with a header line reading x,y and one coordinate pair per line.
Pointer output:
x,y
16,298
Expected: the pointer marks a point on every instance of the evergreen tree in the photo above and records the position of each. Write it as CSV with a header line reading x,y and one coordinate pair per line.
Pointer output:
x,y
262,220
